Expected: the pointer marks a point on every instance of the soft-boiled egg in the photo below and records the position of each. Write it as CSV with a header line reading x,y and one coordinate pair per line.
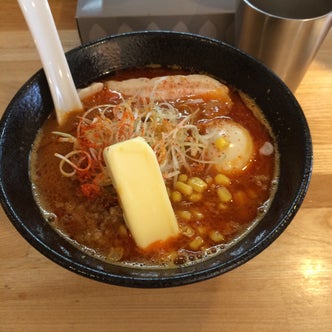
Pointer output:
x,y
232,144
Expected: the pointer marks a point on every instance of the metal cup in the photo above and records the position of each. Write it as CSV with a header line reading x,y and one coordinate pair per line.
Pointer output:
x,y
284,34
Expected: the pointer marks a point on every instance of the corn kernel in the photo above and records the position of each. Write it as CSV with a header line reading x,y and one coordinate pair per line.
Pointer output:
x,y
197,214
188,231
221,143
201,230
195,197
197,184
183,177
222,179
222,206
224,194
196,243
184,215
183,188
115,254
216,236
176,196
209,179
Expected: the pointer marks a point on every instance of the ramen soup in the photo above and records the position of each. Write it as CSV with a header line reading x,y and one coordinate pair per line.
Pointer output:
x,y
215,151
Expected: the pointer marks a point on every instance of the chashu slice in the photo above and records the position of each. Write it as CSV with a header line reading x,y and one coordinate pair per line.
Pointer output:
x,y
173,87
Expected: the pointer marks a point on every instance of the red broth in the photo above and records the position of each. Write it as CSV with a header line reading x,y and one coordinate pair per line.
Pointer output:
x,y
210,220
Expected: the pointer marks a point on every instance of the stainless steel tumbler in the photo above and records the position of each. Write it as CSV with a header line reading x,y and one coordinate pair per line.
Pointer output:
x,y
284,34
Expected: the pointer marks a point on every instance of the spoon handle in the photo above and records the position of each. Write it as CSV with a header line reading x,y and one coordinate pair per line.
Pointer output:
x,y
39,18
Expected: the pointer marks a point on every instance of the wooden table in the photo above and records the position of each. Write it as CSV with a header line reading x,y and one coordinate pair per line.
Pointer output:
x,y
288,287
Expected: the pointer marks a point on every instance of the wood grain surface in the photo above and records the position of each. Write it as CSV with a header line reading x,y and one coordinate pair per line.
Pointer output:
x,y
288,287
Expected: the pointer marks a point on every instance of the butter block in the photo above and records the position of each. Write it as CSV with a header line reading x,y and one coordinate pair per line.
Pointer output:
x,y
137,178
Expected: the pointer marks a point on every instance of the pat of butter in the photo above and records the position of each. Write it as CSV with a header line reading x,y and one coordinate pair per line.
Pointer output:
x,y
137,178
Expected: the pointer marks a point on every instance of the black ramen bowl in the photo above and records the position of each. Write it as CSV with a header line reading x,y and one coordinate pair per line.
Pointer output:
x,y
32,105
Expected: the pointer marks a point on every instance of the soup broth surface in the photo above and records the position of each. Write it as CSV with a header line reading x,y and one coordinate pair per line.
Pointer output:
x,y
222,205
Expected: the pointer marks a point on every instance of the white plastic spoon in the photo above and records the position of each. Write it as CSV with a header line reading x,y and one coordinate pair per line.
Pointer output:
x,y
39,18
